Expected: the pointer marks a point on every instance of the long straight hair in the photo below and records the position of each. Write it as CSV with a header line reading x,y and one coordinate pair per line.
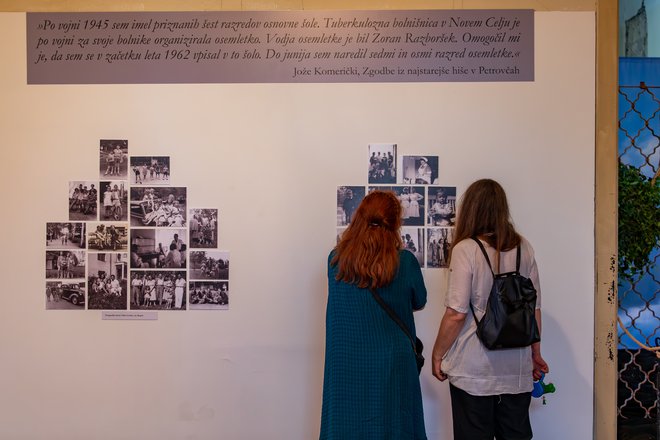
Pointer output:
x,y
484,212
368,253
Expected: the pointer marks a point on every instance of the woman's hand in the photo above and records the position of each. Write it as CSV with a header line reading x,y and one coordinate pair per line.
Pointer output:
x,y
539,364
436,366
450,326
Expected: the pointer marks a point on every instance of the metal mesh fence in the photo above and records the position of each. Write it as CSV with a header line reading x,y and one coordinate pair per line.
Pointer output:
x,y
639,290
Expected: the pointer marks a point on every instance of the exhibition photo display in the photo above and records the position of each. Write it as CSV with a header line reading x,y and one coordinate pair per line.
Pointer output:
x,y
127,247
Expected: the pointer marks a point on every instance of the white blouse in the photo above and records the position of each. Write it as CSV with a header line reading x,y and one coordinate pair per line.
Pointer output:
x,y
471,366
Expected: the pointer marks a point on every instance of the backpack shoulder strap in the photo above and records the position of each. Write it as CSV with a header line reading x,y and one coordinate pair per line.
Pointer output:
x,y
474,315
483,251
518,258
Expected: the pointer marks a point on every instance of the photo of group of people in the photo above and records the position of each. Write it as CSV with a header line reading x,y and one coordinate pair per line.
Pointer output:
x,y
150,170
158,290
439,243
209,295
114,198
65,235
382,163
107,236
113,158
83,200
203,226
412,207
428,210
65,264
158,206
158,248
209,265
107,281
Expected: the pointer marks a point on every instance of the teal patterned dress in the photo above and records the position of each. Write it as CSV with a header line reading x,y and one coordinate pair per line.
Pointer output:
x,y
371,387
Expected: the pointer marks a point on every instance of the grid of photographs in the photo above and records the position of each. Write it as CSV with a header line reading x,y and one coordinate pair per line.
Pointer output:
x,y
128,239
428,209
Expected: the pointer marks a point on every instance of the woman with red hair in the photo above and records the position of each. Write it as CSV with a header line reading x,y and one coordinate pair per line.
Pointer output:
x,y
371,383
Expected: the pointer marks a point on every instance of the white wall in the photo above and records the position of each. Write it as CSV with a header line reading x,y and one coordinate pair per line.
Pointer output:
x,y
270,157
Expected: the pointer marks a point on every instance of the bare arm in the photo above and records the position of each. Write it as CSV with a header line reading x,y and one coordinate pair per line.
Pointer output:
x,y
539,364
450,326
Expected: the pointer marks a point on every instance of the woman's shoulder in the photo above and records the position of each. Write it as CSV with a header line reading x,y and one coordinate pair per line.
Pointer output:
x,y
465,252
466,245
331,257
526,247
406,257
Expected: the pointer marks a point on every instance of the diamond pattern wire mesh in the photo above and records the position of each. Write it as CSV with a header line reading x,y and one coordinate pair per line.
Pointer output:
x,y
639,296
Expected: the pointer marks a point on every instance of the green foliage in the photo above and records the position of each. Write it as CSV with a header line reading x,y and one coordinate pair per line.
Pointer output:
x,y
106,302
639,220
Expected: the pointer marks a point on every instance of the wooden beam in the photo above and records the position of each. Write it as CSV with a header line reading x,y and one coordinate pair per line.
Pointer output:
x,y
606,221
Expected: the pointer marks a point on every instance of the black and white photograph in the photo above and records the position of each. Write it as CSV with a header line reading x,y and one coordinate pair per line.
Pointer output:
x,y
439,242
412,204
65,295
158,206
107,236
107,278
157,248
64,265
380,188
208,295
158,290
382,163
413,242
441,206
113,159
70,235
348,199
114,200
419,170
203,226
150,170
83,200
209,265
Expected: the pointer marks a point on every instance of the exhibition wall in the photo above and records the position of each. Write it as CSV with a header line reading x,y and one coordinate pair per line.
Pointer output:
x,y
270,157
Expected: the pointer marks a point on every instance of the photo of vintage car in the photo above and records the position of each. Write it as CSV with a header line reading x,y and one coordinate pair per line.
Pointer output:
x,y
73,293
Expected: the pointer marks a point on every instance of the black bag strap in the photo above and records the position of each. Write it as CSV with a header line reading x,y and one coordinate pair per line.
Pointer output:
x,y
394,317
483,251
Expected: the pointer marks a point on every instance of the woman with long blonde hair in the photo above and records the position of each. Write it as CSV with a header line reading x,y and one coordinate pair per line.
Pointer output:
x,y
371,385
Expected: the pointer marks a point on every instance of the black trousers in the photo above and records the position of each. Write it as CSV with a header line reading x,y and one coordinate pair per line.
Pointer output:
x,y
503,416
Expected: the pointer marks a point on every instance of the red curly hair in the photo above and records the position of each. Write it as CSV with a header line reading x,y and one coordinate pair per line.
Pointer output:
x,y
368,252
